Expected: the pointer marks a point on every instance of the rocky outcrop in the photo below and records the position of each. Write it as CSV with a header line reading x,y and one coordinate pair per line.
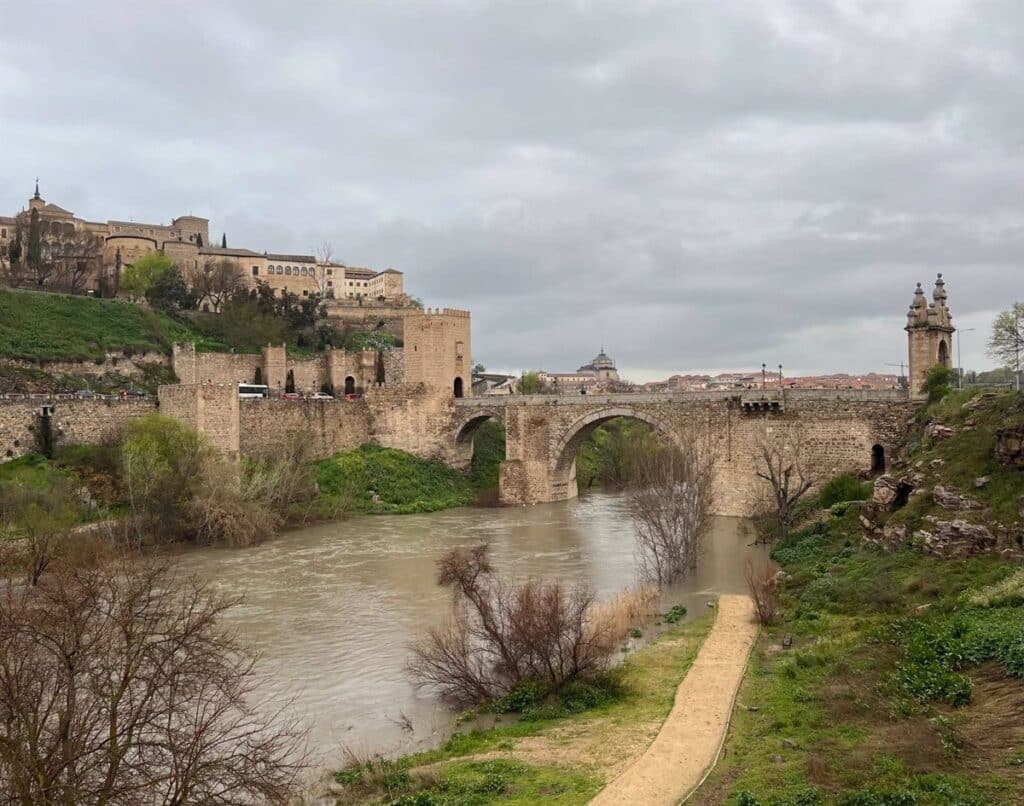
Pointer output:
x,y
938,431
890,492
956,538
952,499
1010,446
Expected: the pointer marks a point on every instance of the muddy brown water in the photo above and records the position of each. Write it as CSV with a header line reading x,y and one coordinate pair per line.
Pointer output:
x,y
333,608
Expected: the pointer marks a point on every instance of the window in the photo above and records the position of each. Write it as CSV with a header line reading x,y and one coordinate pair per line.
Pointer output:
x,y
328,272
3,232
305,293
287,269
330,283
255,271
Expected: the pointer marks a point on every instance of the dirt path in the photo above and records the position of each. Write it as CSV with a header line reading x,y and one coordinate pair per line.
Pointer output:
x,y
688,742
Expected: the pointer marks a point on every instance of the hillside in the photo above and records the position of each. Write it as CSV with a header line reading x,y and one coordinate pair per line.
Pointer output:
x,y
896,673
44,326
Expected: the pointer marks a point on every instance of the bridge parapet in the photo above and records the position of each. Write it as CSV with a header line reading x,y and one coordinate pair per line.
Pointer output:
x,y
700,395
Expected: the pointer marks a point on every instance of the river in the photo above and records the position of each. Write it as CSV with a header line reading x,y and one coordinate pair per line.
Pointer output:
x,y
334,607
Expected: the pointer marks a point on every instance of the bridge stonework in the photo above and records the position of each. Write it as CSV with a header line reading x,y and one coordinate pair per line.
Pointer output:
x,y
837,431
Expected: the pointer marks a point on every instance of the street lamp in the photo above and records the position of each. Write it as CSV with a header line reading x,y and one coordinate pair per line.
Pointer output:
x,y
959,363
764,377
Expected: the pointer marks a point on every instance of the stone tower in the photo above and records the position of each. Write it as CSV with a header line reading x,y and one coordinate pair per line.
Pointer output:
x,y
437,351
929,334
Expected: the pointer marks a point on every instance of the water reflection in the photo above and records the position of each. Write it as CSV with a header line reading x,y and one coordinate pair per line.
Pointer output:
x,y
333,608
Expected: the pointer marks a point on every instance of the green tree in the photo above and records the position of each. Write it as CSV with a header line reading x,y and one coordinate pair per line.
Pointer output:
x,y
14,251
1007,340
139,277
479,369
169,292
199,240
530,383
223,240
937,382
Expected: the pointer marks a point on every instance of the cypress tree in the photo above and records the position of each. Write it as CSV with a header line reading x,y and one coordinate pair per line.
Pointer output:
x,y
223,240
199,240
34,251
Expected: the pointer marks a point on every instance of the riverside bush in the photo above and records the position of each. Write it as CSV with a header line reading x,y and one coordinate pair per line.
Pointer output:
x,y
843,487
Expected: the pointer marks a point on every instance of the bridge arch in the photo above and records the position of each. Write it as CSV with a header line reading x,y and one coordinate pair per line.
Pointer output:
x,y
565,450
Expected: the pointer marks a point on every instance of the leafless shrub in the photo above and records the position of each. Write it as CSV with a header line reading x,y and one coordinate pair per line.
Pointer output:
x,y
781,464
281,477
617,617
762,582
38,520
118,686
671,503
501,634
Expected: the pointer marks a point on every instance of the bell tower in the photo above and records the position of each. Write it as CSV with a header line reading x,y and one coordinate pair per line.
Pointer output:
x,y
929,335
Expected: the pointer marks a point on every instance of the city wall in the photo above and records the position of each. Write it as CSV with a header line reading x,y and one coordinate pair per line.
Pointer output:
x,y
72,421
130,365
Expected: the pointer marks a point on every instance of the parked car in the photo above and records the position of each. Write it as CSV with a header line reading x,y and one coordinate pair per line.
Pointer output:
x,y
352,397
85,394
321,396
292,396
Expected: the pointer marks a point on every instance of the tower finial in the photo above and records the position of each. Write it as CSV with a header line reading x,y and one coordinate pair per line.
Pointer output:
x,y
37,188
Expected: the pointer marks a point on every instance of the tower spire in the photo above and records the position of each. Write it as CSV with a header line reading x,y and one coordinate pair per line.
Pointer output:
x,y
37,189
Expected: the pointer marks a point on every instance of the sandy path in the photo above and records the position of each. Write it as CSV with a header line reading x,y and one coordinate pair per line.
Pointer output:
x,y
688,742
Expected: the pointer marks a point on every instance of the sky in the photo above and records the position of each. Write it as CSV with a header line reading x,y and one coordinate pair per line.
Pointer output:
x,y
698,186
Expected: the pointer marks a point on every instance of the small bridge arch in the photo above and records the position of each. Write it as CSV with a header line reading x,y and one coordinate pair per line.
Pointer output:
x,y
466,428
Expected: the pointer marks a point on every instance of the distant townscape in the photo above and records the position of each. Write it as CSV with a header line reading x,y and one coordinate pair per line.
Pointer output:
x,y
46,246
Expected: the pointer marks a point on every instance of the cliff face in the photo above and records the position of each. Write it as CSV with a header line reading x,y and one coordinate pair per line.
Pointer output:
x,y
958,490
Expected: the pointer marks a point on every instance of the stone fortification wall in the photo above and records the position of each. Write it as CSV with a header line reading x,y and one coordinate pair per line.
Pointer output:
x,y
72,421
331,367
211,409
371,315
267,427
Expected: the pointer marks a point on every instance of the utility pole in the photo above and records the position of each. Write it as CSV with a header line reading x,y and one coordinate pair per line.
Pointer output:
x,y
959,364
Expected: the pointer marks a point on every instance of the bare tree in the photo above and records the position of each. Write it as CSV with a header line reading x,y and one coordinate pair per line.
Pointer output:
x,y
325,261
501,634
76,259
780,458
36,520
671,503
762,581
215,281
118,686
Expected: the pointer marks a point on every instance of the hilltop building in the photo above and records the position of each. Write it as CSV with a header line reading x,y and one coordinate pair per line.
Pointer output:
x,y
186,241
600,371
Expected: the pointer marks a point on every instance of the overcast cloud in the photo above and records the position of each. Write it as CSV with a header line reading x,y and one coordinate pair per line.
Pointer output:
x,y
698,185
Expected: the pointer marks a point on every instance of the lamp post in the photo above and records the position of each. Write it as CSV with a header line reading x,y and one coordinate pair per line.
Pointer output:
x,y
764,377
780,377
959,363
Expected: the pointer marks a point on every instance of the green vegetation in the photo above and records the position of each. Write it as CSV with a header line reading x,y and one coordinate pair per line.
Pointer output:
x,y
139,277
572,742
904,681
529,383
36,325
606,457
844,487
488,454
383,480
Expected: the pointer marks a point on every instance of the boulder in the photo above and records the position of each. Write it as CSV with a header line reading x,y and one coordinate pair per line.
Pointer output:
x,y
957,538
981,481
951,498
938,431
889,492
1010,446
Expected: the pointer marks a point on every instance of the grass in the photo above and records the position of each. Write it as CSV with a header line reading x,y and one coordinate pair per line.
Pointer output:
x,y
562,754
36,325
874,702
488,454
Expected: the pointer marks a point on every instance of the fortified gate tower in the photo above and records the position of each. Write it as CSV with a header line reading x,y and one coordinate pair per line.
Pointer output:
x,y
929,334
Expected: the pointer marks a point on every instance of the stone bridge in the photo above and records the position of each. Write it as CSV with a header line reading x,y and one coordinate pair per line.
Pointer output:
x,y
838,430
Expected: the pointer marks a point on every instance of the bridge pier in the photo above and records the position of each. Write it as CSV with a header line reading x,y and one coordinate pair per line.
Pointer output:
x,y
526,481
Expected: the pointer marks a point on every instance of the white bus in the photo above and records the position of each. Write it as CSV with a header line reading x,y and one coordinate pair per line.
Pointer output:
x,y
253,390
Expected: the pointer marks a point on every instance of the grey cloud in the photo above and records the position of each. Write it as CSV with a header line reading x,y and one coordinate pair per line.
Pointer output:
x,y
699,185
